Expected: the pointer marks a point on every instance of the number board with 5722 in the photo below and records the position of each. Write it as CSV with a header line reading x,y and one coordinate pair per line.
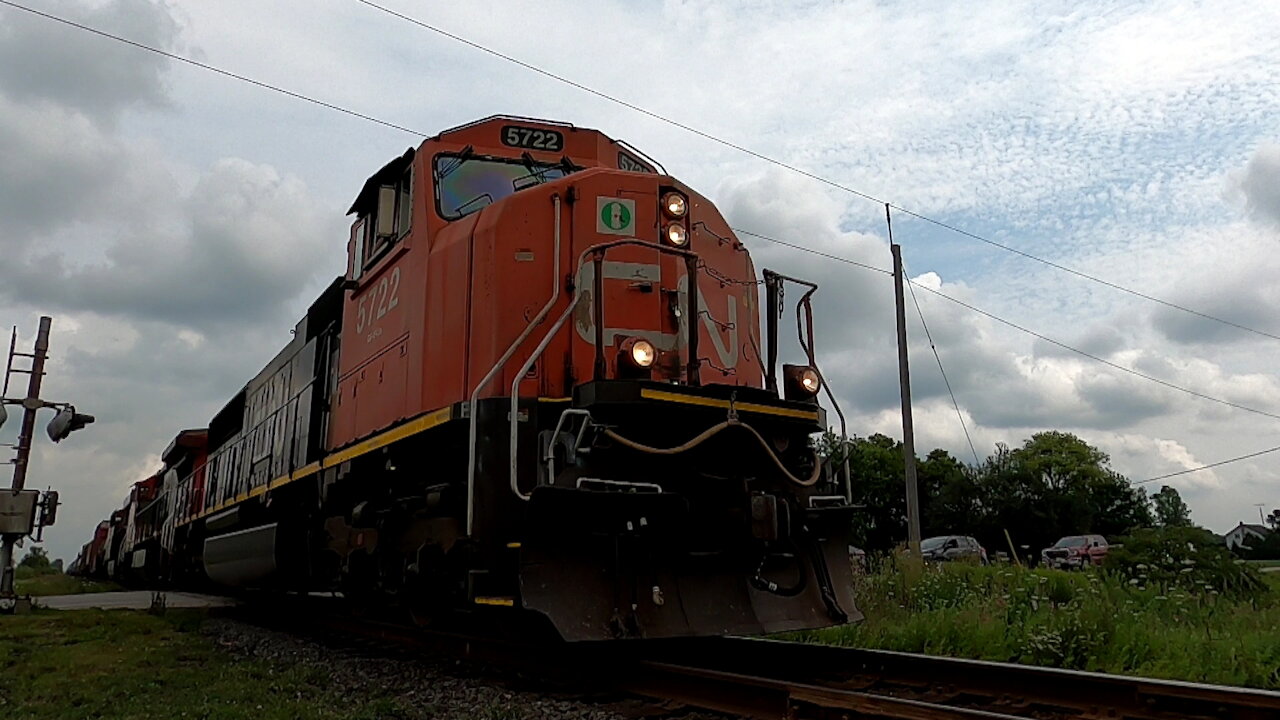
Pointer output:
x,y
532,138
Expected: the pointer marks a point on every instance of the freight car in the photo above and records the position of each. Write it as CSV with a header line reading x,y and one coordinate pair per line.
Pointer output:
x,y
538,389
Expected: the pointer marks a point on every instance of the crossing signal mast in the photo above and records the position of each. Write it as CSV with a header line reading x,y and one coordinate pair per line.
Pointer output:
x,y
25,513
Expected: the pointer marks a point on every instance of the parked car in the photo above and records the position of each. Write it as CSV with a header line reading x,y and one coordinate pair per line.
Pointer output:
x,y
1075,551
953,547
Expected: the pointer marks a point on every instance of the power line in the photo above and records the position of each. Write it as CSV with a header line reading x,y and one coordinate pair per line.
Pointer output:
x,y
1104,361
799,171
810,250
1042,337
959,415
1210,465
1035,334
888,223
213,69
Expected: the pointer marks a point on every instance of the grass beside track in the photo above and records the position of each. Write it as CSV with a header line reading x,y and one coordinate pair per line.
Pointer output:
x,y
28,582
1081,620
128,664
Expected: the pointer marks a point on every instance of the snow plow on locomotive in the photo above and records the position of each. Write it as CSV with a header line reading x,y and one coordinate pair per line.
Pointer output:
x,y
538,388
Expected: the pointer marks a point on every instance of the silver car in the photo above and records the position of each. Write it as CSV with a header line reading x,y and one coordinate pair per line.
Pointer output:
x,y
953,547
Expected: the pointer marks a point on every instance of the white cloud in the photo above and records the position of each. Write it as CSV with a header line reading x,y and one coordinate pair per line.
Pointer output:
x,y
1259,183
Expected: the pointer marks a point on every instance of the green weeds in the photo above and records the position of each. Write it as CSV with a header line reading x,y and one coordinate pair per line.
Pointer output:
x,y
1091,620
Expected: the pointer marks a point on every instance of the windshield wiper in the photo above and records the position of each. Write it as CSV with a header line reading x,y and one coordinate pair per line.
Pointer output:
x,y
538,172
462,157
472,201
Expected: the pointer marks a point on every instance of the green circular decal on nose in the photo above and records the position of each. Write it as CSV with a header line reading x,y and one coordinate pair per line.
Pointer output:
x,y
615,216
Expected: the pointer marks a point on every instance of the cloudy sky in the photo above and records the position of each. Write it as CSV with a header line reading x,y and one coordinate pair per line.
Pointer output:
x,y
175,222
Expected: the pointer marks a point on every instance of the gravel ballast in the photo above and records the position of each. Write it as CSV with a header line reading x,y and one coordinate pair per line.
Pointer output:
x,y
426,687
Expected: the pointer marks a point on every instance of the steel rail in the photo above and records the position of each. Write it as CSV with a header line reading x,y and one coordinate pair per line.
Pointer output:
x,y
1038,689
766,697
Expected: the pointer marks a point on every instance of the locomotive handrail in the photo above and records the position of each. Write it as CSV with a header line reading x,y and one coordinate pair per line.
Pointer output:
x,y
691,260
773,282
488,377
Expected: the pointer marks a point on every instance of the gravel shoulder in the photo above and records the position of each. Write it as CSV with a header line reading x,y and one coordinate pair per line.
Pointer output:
x,y
193,664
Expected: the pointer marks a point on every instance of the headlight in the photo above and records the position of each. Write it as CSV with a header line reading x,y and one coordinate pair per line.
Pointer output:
x,y
810,381
800,382
674,205
677,235
639,352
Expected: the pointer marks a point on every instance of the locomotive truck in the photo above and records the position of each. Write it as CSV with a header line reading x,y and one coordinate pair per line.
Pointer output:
x,y
538,389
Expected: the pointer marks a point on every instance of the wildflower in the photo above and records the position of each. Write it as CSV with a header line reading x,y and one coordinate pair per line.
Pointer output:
x,y
1133,581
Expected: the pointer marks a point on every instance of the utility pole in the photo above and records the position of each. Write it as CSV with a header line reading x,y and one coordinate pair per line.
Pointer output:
x,y
18,506
904,379
1261,518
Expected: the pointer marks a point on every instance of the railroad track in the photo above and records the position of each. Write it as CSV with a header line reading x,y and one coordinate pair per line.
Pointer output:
x,y
768,679
772,679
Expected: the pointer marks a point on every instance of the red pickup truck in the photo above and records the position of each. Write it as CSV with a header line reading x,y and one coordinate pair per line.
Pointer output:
x,y
1075,551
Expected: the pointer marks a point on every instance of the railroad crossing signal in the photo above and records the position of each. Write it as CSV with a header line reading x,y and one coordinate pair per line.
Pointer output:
x,y
65,422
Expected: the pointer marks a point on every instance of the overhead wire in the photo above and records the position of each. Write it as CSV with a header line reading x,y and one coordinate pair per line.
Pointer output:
x,y
1206,467
1037,335
210,68
347,111
805,173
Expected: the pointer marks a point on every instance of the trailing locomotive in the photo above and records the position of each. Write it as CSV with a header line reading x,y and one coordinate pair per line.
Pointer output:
x,y
538,389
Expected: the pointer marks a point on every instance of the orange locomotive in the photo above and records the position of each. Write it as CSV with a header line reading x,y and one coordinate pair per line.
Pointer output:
x,y
539,386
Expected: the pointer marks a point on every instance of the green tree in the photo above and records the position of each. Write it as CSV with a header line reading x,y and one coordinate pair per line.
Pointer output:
x,y
950,501
36,559
1274,520
1170,510
1054,485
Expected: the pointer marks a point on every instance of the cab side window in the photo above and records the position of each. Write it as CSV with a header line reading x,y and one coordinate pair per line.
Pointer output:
x,y
390,220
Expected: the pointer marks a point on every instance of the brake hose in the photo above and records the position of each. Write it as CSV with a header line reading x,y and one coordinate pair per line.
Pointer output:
x,y
713,430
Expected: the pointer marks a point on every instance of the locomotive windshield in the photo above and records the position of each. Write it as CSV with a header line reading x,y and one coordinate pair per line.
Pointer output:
x,y
466,183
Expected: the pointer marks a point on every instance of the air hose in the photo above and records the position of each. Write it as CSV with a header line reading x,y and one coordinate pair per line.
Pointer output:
x,y
713,430
760,583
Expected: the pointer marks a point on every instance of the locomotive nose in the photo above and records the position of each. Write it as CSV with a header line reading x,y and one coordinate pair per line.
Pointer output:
x,y
603,564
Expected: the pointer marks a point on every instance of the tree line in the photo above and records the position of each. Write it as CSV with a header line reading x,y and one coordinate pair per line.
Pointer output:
x,y
1054,485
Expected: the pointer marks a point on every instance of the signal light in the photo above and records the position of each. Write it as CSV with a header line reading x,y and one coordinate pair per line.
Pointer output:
x,y
66,422
49,508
